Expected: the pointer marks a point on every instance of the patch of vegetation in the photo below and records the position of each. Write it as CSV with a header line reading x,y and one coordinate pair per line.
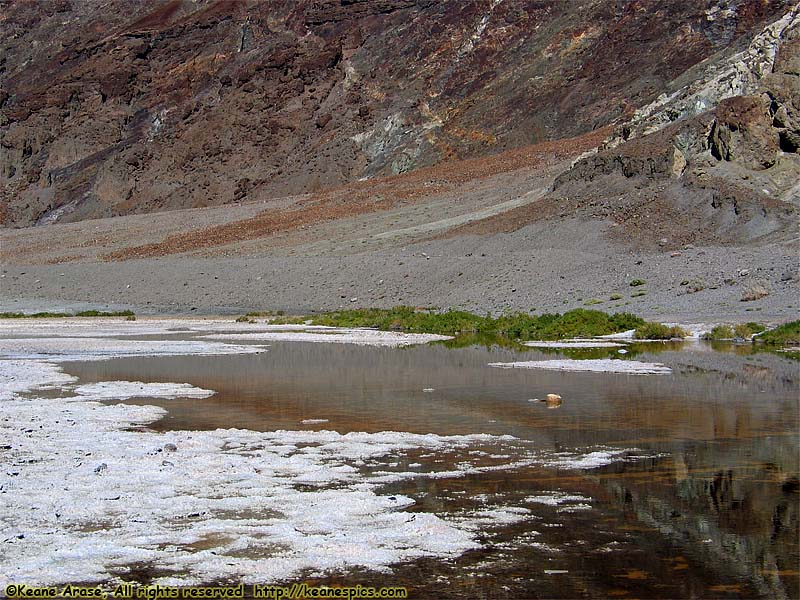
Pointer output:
x,y
658,331
288,320
54,315
589,323
693,286
615,297
575,323
265,313
405,318
637,282
245,319
593,301
787,334
99,313
720,332
748,330
130,318
639,294
754,291
39,315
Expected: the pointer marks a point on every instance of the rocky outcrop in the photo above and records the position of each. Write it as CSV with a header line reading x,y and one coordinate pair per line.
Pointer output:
x,y
113,107
727,75
743,132
728,175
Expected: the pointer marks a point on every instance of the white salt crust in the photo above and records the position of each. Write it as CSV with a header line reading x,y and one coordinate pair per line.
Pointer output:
x,y
362,337
61,349
603,365
566,344
557,498
88,492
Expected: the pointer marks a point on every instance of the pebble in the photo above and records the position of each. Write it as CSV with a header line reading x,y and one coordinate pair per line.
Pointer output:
x,y
553,400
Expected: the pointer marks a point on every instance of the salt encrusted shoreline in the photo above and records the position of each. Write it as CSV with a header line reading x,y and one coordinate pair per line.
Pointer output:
x,y
566,344
123,390
362,337
76,465
62,349
90,492
631,367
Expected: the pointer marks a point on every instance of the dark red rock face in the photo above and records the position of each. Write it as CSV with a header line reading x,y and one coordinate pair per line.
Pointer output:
x,y
113,107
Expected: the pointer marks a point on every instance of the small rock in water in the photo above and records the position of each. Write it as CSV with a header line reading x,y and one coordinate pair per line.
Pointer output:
x,y
622,351
533,400
553,400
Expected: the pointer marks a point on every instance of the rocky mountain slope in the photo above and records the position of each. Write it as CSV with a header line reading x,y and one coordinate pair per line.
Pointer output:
x,y
109,107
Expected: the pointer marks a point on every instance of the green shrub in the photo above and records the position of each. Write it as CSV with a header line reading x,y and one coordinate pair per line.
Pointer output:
x,y
575,323
637,282
99,313
244,319
787,334
593,301
658,331
288,320
720,332
748,330
625,321
53,315
615,297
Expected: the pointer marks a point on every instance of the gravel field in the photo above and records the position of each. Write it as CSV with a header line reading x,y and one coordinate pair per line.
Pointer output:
x,y
348,252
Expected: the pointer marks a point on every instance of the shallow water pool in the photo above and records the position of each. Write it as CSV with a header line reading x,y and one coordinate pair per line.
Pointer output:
x,y
705,503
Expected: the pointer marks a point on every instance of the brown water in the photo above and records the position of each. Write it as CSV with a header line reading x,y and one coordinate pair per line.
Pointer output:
x,y
712,513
